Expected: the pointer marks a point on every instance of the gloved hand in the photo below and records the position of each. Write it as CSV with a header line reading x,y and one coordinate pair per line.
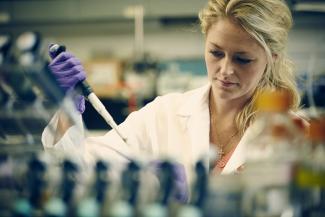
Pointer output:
x,y
68,71
180,193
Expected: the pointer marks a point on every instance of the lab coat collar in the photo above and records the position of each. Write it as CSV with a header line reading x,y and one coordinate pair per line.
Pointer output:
x,y
198,99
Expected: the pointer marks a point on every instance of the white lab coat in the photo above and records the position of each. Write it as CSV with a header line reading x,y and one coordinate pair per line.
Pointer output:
x,y
175,126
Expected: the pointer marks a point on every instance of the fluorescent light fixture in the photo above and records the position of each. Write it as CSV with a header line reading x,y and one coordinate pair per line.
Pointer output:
x,y
133,10
311,7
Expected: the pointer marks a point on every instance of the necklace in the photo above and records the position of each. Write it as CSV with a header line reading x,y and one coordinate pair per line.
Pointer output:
x,y
219,148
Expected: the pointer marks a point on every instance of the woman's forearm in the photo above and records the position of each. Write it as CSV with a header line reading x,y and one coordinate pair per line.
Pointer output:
x,y
63,125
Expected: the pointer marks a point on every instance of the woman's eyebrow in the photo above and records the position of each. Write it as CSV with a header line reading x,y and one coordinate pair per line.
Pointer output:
x,y
236,52
242,52
217,46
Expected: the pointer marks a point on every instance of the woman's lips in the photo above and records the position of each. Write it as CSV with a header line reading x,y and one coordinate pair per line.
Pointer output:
x,y
226,83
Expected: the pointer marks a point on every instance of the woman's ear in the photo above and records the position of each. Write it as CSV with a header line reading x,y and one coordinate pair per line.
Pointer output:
x,y
274,57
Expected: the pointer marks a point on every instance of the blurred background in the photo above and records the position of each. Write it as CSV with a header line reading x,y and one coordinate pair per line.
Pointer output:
x,y
134,50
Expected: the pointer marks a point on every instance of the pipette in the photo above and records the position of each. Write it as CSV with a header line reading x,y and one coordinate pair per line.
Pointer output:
x,y
87,92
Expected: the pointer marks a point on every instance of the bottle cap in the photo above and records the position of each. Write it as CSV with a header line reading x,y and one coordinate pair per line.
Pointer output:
x,y
273,101
317,130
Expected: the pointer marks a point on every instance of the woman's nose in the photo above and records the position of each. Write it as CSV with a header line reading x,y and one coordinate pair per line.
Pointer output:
x,y
226,67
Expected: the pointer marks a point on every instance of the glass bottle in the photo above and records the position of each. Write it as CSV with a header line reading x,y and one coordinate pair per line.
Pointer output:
x,y
126,204
199,194
63,204
31,204
92,205
160,207
271,153
309,182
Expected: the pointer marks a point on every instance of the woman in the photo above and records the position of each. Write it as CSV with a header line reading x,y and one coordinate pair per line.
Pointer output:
x,y
244,54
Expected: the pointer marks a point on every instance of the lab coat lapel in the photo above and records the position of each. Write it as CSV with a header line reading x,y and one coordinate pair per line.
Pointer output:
x,y
198,128
238,158
194,115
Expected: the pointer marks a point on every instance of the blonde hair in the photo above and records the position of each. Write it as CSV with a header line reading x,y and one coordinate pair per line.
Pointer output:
x,y
268,21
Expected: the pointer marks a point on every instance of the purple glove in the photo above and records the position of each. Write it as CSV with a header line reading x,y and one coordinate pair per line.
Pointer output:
x,y
180,193
68,71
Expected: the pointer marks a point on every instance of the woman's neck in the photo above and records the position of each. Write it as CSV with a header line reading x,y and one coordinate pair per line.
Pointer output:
x,y
225,110
223,130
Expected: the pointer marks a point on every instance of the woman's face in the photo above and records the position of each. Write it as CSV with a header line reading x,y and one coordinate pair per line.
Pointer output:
x,y
235,61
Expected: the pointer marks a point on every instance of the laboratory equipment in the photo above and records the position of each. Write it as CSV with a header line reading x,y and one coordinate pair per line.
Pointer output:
x,y
64,202
273,151
95,202
29,94
308,187
160,207
126,204
196,206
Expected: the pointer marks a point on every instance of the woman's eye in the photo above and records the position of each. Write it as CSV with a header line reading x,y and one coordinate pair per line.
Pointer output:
x,y
218,54
242,60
